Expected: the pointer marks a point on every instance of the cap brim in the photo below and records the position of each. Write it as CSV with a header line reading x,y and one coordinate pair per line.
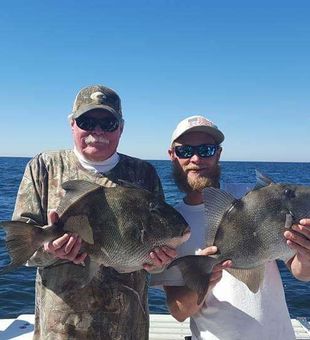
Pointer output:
x,y
215,133
87,108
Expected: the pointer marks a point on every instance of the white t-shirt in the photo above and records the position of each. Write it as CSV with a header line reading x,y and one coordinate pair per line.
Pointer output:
x,y
231,311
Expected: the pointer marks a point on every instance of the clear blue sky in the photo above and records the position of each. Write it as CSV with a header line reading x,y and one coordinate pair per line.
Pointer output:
x,y
243,64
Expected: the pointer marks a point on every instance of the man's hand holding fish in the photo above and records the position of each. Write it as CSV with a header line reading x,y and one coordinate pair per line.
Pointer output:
x,y
298,239
66,247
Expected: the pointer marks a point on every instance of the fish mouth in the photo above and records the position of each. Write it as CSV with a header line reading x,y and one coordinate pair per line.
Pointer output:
x,y
290,219
176,241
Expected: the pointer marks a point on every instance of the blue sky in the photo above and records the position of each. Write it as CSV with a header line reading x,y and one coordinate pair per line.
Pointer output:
x,y
243,64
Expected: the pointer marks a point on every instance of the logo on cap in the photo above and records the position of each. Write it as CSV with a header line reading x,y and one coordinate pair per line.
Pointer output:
x,y
198,121
98,97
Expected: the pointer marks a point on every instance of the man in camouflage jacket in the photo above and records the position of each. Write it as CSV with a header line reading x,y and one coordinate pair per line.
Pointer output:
x,y
108,307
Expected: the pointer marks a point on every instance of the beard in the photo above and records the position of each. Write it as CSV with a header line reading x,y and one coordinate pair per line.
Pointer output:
x,y
188,184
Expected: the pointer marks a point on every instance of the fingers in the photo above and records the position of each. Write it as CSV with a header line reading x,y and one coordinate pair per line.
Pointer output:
x,y
57,243
217,272
215,277
219,267
305,221
73,245
72,248
168,253
66,247
223,265
53,217
80,258
298,237
149,267
303,228
160,257
227,264
207,251
52,246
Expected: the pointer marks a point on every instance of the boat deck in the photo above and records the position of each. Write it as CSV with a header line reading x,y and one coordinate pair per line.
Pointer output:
x,y
163,327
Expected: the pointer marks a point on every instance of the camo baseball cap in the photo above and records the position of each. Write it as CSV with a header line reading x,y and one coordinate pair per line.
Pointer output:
x,y
97,97
197,123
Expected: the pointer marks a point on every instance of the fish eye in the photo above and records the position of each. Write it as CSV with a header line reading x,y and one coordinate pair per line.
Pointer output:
x,y
138,234
152,205
288,193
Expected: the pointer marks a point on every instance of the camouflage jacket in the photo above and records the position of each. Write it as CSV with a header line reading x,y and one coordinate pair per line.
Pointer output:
x,y
108,307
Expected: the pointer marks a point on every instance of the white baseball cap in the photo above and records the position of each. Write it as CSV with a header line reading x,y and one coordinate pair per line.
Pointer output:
x,y
198,123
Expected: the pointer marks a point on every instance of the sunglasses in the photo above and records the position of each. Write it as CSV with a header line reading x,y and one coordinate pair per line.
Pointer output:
x,y
202,150
107,124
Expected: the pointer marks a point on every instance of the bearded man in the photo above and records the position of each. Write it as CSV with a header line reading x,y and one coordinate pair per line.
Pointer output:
x,y
229,310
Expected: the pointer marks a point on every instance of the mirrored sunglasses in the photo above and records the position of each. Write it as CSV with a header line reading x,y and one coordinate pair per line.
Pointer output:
x,y
107,124
202,150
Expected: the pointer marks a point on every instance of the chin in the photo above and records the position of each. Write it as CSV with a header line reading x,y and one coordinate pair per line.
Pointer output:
x,y
196,174
95,155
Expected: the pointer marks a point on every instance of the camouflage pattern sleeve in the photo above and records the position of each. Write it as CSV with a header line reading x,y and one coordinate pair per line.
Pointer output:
x,y
30,196
31,204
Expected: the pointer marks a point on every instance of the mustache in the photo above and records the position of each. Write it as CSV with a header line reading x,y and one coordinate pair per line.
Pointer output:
x,y
192,167
90,139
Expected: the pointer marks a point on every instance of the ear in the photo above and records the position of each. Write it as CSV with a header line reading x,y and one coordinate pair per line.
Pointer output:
x,y
121,128
218,153
171,154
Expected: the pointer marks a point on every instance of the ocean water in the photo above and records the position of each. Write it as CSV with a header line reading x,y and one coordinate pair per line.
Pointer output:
x,y
17,288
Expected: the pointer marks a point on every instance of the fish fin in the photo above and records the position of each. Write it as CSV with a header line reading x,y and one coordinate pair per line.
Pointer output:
x,y
262,180
78,275
75,190
93,268
84,273
253,278
22,241
216,202
196,271
80,225
80,185
127,184
131,185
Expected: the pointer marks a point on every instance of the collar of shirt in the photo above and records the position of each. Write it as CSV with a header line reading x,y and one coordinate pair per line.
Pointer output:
x,y
99,166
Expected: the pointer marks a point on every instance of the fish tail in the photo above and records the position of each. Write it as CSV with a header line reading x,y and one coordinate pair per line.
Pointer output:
x,y
196,271
22,241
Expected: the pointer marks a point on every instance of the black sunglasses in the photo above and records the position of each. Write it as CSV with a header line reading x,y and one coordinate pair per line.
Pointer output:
x,y
202,150
108,124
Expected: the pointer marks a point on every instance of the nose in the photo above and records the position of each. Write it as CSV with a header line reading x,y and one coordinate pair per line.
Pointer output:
x,y
195,158
98,129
